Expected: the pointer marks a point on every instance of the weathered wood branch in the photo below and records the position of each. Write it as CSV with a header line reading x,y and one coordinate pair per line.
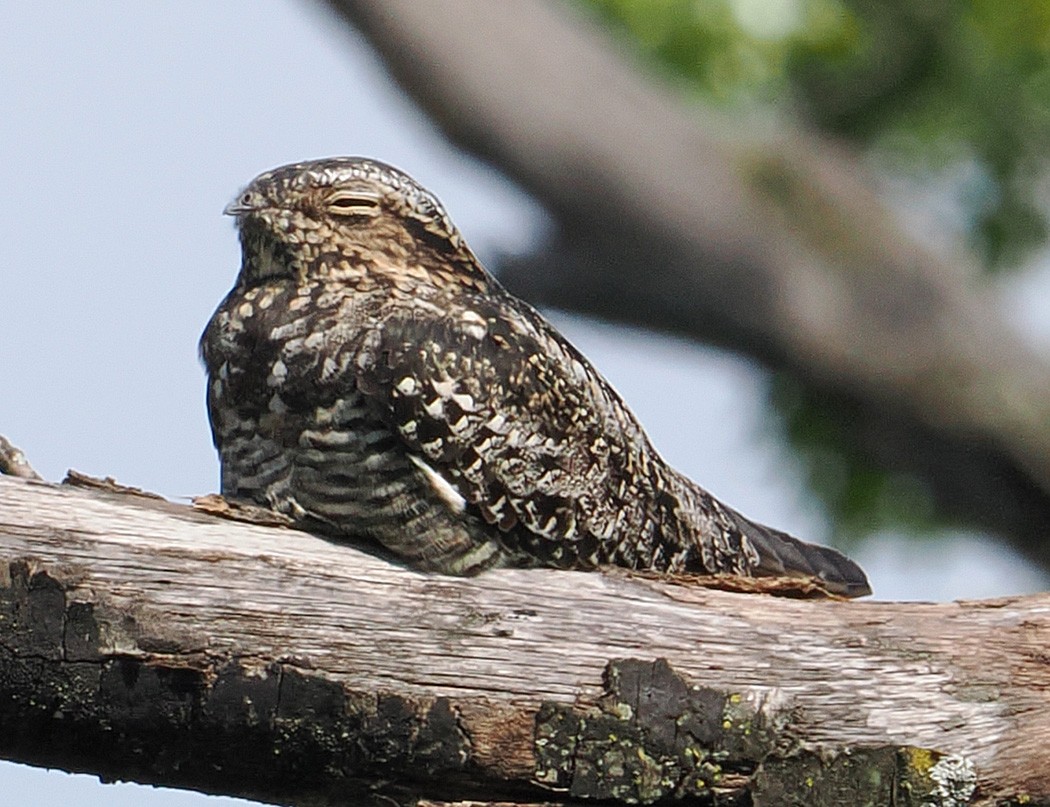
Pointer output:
x,y
145,640
759,236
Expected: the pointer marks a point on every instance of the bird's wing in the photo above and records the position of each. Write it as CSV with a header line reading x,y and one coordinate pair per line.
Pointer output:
x,y
514,419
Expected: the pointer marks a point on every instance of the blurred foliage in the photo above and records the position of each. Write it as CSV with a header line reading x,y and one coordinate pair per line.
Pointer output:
x,y
860,497
953,94
951,100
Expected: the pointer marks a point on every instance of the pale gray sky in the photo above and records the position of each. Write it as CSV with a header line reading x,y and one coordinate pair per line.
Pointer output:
x,y
126,129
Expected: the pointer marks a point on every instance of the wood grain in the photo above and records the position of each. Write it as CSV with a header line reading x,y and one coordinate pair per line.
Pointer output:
x,y
173,586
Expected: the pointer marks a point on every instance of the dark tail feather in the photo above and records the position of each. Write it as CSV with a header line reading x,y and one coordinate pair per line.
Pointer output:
x,y
781,555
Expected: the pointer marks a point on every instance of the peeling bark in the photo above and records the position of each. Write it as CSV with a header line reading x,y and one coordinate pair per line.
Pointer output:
x,y
148,641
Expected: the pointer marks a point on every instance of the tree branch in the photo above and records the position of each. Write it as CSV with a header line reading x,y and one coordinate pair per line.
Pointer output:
x,y
768,241
145,640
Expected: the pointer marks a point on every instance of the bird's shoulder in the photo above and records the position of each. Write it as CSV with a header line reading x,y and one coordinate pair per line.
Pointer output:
x,y
483,354
495,401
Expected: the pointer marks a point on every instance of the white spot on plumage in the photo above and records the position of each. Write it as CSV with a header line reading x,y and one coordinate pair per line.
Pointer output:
x,y
313,438
444,388
278,373
474,324
433,448
297,327
496,423
442,487
329,369
435,409
407,385
293,347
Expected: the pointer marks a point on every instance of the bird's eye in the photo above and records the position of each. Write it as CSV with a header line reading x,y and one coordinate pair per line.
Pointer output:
x,y
353,203
246,199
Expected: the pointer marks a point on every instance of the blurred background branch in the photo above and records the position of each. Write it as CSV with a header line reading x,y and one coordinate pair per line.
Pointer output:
x,y
685,199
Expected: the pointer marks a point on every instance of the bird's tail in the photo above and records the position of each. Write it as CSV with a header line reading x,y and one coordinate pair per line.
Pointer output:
x,y
782,555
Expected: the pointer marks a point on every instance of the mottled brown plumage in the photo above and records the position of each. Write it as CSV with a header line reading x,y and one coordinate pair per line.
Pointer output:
x,y
368,378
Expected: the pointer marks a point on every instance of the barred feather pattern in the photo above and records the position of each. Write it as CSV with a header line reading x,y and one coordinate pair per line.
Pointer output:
x,y
370,379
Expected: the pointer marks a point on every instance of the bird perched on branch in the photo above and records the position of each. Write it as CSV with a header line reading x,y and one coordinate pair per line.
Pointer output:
x,y
368,378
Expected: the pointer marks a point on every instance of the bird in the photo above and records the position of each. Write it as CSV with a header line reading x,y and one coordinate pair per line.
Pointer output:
x,y
370,380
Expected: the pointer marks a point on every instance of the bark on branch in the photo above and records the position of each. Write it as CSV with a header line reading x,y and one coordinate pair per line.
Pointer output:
x,y
768,240
145,640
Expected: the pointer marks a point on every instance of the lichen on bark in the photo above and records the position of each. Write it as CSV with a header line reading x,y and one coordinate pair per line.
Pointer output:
x,y
654,736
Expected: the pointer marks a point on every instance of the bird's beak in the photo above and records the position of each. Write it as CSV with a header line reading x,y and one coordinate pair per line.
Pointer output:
x,y
236,208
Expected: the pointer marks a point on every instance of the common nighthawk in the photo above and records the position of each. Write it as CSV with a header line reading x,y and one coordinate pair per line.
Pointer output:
x,y
370,379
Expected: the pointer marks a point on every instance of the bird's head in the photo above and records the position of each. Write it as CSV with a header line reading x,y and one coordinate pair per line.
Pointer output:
x,y
342,217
